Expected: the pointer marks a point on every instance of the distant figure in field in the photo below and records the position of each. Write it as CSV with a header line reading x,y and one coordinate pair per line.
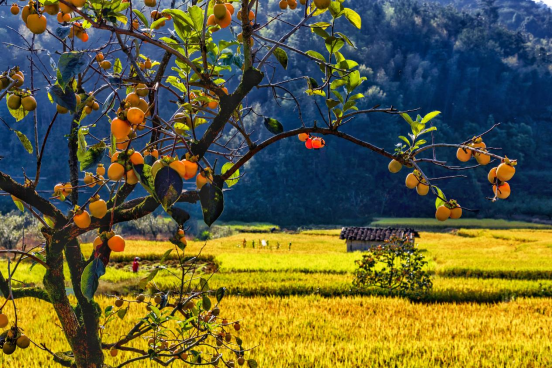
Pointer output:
x,y
135,264
290,246
244,243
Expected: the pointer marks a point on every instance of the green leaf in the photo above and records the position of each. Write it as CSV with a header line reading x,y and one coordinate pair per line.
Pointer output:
x,y
356,96
109,103
176,82
141,16
317,92
39,255
273,125
92,156
334,44
336,9
429,116
206,302
220,293
108,310
353,17
113,144
338,96
19,205
24,141
346,38
323,25
121,313
439,200
330,103
203,284
347,64
350,105
158,22
252,363
81,141
339,56
144,174
233,179
407,118
316,55
212,201
431,129
320,32
117,66
49,222
337,83
312,83
121,18
155,311
19,113
91,276
281,56
354,80
71,64
179,215
416,128
405,139
167,186
165,256
144,282
182,23
65,98
197,16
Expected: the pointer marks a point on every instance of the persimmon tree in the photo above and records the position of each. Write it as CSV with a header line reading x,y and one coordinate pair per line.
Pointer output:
x,y
209,57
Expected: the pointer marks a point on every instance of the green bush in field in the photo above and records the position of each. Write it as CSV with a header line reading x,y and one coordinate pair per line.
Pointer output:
x,y
396,267
205,235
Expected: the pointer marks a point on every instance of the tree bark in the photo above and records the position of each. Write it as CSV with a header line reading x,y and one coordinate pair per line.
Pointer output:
x,y
80,323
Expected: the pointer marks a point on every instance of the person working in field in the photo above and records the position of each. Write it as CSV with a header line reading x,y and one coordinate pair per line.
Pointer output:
x,y
135,264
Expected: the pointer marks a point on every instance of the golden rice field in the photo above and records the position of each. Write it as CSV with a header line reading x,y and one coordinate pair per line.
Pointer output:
x,y
490,305
348,332
489,250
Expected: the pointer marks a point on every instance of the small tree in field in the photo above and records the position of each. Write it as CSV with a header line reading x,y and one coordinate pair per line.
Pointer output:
x,y
208,56
396,267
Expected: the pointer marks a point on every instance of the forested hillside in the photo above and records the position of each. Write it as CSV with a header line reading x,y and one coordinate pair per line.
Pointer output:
x,y
477,62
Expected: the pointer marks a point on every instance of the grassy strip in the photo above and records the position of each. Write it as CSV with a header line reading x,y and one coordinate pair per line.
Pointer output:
x,y
495,274
431,223
452,272
298,284
153,257
121,280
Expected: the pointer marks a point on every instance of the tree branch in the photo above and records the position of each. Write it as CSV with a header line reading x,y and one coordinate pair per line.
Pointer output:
x,y
130,210
25,292
15,251
295,132
31,197
228,103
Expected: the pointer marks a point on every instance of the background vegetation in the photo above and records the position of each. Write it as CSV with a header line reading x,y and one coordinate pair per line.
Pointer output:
x,y
476,61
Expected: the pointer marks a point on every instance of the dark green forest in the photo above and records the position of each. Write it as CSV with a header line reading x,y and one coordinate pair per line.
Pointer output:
x,y
478,62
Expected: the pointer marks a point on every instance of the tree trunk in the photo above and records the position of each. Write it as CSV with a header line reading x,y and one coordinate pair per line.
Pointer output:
x,y
80,323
